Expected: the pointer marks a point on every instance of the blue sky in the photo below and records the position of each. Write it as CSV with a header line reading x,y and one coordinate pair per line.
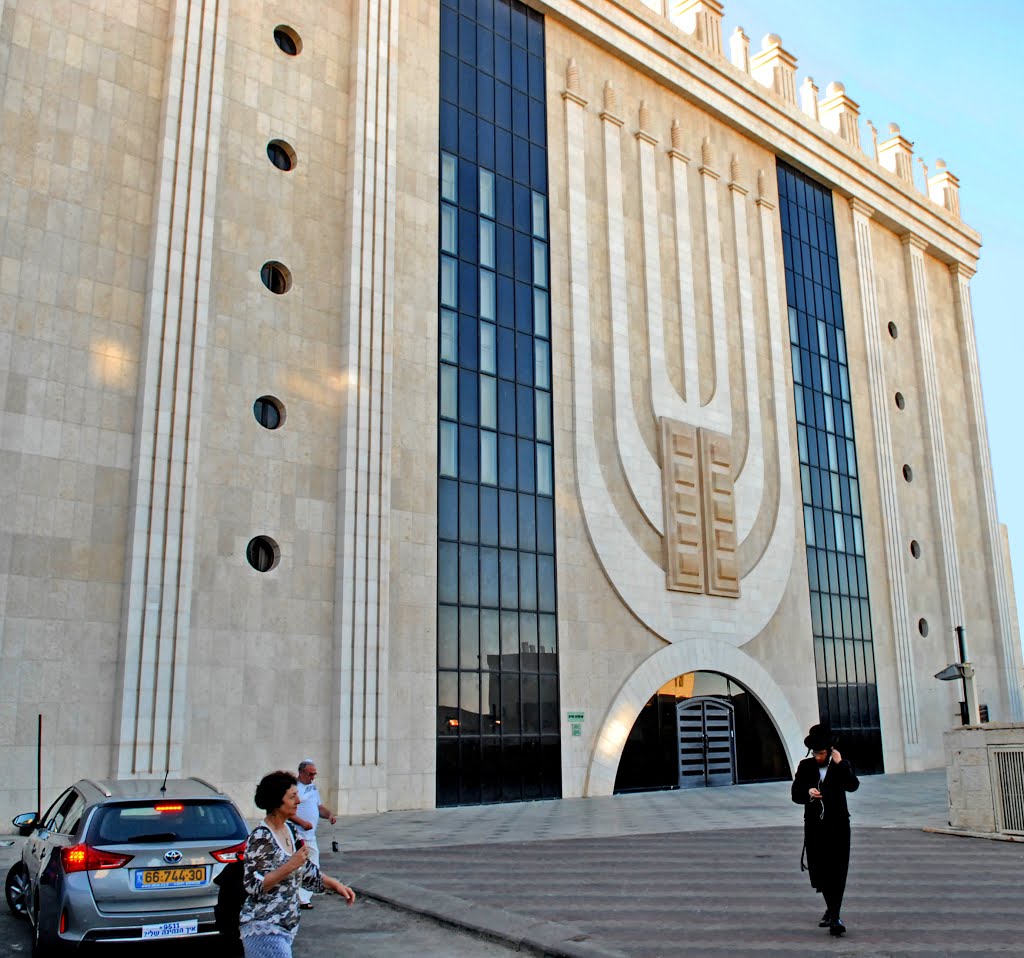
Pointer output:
x,y
947,73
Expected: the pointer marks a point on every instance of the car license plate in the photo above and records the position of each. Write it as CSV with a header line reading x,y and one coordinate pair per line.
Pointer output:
x,y
171,929
170,877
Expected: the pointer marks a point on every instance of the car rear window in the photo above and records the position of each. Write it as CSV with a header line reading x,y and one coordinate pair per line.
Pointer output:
x,y
164,821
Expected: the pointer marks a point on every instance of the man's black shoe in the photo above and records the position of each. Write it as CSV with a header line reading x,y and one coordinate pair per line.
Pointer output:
x,y
837,927
826,920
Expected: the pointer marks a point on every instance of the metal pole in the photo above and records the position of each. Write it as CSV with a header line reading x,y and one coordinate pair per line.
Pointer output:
x,y
970,696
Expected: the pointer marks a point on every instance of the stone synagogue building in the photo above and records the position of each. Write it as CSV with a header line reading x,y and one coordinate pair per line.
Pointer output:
x,y
495,400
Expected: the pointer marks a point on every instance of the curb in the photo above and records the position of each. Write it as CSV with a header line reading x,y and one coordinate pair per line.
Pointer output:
x,y
964,833
546,938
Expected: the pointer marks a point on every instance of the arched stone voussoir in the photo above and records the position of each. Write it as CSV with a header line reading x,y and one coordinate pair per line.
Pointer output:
x,y
709,655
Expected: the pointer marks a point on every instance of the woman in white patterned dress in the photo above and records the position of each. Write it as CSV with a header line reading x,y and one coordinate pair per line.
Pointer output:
x,y
275,866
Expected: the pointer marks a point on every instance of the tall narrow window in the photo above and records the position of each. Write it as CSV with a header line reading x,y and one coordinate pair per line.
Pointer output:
x,y
833,529
497,652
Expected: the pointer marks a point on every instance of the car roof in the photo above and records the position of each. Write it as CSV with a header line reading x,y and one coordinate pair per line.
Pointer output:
x,y
134,789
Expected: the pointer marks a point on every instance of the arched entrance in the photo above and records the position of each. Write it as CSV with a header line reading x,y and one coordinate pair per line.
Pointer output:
x,y
701,729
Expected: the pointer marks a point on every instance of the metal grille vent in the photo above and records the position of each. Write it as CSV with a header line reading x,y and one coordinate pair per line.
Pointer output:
x,y
1009,767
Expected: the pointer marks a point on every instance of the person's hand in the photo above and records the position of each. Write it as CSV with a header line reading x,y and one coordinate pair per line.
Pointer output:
x,y
332,818
299,858
836,757
814,793
339,889
303,824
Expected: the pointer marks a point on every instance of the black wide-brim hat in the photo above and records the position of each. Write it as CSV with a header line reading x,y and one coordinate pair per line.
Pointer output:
x,y
820,737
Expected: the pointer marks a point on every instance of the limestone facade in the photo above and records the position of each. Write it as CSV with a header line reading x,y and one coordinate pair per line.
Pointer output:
x,y
136,335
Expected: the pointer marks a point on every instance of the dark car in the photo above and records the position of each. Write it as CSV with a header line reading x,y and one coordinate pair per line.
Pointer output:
x,y
124,860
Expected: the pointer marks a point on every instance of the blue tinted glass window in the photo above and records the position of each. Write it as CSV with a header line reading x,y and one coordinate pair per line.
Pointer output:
x,y
840,605
497,740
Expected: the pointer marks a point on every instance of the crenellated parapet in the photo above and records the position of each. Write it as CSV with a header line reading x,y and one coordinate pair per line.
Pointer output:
x,y
897,154
774,68
702,19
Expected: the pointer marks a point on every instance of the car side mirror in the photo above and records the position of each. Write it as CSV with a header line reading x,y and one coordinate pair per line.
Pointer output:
x,y
25,822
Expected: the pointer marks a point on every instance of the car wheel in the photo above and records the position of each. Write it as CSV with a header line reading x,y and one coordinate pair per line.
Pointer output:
x,y
16,890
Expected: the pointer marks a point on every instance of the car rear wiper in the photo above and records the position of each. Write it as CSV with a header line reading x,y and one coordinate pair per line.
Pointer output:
x,y
151,838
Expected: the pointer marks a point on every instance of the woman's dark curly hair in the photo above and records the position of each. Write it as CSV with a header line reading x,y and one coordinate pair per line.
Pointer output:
x,y
271,790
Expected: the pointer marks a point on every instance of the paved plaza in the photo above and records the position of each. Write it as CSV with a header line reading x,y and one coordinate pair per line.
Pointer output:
x,y
707,872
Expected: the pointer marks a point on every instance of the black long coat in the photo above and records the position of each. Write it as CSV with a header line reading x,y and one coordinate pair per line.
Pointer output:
x,y
826,823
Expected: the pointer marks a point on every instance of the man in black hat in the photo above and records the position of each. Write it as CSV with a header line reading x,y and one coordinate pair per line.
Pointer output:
x,y
820,785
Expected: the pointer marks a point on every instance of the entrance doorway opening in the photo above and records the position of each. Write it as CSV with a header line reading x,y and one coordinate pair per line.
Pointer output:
x,y
701,729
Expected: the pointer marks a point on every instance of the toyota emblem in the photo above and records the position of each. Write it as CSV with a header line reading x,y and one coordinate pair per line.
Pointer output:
x,y
172,857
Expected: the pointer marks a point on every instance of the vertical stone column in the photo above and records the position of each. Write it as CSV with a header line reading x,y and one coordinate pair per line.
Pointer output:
x,y
894,546
914,248
641,470
720,413
364,498
749,464
1008,640
153,680
809,98
684,255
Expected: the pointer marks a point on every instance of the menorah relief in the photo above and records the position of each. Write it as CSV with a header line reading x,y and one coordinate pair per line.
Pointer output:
x,y
717,495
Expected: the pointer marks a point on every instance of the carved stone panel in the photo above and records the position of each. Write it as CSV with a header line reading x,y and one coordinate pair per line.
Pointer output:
x,y
719,513
684,547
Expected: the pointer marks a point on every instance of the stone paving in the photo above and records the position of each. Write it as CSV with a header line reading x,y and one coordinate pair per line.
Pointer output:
x,y
710,872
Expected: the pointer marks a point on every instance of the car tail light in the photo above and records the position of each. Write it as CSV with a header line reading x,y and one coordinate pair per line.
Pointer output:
x,y
85,858
235,853
63,923
169,807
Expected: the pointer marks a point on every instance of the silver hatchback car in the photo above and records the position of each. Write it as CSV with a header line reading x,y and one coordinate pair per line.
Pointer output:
x,y
124,860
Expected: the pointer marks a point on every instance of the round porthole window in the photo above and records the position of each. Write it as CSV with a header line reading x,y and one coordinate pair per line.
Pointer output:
x,y
908,473
893,331
287,40
276,277
268,411
281,155
915,548
922,626
901,403
262,553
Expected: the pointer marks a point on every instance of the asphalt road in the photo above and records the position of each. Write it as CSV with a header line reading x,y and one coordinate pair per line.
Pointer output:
x,y
367,929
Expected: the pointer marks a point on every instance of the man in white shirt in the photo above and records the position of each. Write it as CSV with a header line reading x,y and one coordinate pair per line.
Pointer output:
x,y
311,809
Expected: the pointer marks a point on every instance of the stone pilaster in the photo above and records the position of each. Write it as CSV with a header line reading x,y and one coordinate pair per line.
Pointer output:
x,y
917,286
1008,639
894,546
153,680
364,500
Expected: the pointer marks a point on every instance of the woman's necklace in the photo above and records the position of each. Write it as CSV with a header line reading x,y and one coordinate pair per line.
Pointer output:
x,y
282,833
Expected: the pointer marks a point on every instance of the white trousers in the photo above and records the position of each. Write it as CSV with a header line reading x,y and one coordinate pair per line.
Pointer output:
x,y
305,895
